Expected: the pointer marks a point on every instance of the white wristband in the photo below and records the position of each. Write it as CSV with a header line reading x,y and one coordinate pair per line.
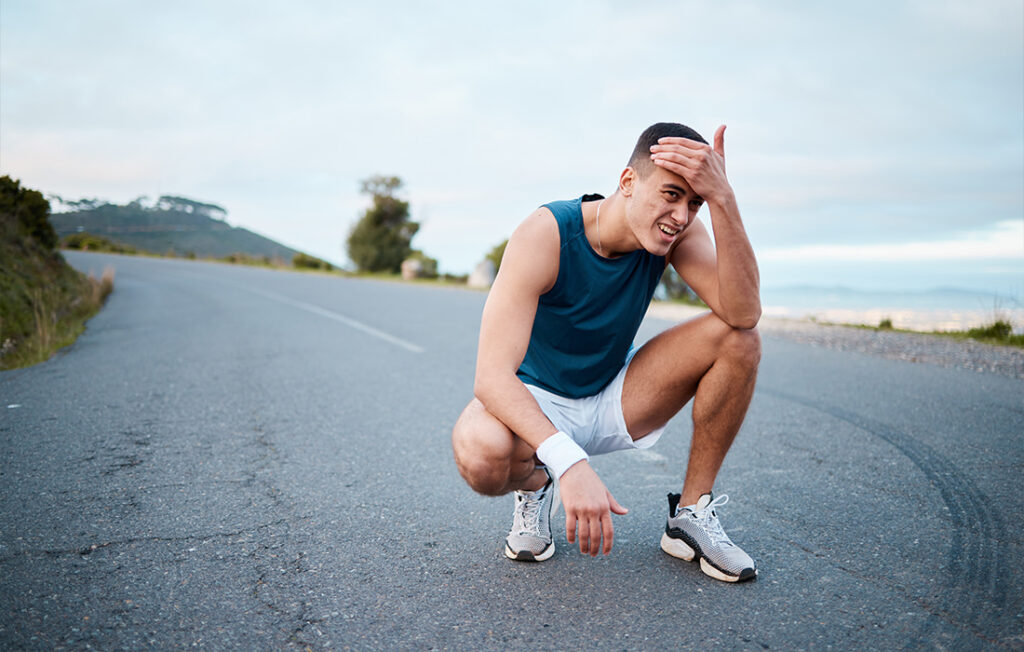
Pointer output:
x,y
559,452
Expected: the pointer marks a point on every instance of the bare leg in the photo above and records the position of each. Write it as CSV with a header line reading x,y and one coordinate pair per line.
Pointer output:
x,y
704,359
491,458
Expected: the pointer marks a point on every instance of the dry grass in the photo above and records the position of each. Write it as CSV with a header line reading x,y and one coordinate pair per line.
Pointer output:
x,y
58,318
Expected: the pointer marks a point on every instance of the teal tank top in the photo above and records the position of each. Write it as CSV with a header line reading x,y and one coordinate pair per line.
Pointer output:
x,y
586,322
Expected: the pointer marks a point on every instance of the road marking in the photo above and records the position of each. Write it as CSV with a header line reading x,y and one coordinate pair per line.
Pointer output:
x,y
649,455
348,321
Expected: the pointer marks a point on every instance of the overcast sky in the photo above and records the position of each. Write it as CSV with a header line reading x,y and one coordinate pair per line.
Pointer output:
x,y
871,144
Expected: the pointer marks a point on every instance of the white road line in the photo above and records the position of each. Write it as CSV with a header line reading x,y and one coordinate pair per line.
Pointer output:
x,y
348,321
648,455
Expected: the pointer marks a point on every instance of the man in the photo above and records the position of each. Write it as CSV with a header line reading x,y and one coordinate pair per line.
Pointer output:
x,y
557,378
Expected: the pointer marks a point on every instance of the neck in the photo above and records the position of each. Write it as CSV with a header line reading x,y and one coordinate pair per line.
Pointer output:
x,y
607,240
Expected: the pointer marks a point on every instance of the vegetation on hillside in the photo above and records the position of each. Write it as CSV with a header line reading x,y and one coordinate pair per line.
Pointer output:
x,y
89,242
44,303
382,238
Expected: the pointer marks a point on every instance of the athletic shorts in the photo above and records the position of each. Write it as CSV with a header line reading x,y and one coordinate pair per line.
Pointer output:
x,y
595,422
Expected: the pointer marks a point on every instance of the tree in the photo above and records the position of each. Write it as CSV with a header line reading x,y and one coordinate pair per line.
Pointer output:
x,y
496,254
382,237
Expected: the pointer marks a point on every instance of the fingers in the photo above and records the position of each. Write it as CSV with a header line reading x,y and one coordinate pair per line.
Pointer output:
x,y
570,527
595,537
614,504
609,533
678,140
720,140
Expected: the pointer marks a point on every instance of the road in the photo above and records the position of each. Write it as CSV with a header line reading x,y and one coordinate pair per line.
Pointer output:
x,y
238,458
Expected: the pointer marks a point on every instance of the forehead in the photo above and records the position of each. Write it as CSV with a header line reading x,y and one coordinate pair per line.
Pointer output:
x,y
662,179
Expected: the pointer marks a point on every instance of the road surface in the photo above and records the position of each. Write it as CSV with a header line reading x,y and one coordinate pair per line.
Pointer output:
x,y
239,458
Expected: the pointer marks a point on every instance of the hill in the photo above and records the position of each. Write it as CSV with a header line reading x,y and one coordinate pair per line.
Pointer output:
x,y
172,224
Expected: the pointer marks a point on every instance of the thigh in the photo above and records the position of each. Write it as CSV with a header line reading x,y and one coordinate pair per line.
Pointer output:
x,y
664,374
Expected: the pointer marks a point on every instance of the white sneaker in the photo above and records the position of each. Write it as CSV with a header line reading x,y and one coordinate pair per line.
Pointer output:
x,y
530,536
695,531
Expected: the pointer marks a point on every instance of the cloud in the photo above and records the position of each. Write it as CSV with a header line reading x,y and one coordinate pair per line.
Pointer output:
x,y
1004,241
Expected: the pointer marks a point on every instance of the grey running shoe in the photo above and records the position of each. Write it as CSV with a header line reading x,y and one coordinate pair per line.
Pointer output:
x,y
696,532
530,536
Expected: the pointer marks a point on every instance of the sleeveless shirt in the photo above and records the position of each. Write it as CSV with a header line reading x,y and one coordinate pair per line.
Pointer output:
x,y
585,324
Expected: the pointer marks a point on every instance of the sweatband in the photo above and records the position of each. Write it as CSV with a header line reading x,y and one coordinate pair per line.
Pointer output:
x,y
559,452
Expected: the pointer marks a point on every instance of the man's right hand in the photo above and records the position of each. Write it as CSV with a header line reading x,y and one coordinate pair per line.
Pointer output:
x,y
589,505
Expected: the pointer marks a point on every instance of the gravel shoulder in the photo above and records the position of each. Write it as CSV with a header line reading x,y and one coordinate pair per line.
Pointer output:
x,y
912,347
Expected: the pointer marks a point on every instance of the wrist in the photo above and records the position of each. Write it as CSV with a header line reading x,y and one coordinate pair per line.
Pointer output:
x,y
559,452
725,200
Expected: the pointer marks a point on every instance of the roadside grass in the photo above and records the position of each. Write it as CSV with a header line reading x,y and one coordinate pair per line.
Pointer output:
x,y
998,331
58,318
44,303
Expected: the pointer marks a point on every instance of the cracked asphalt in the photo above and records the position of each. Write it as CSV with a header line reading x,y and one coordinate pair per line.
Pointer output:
x,y
210,467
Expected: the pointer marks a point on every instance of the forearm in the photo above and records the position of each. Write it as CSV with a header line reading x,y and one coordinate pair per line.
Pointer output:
x,y
739,293
508,399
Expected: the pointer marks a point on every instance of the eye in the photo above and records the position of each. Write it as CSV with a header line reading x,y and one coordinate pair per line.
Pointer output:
x,y
672,194
696,203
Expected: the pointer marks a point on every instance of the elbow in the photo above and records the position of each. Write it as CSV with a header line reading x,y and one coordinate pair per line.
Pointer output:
x,y
483,387
745,321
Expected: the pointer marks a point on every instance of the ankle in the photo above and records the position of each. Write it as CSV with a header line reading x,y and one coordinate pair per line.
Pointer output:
x,y
535,480
688,499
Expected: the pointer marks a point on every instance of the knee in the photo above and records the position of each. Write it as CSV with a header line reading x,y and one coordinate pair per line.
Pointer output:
x,y
743,346
484,468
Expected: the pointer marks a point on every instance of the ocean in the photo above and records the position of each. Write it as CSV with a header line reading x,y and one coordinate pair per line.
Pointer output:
x,y
938,309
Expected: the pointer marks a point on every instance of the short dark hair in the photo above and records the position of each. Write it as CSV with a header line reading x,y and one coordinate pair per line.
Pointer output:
x,y
641,158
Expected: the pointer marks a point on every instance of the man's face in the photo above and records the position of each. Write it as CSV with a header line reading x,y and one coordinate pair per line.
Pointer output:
x,y
659,209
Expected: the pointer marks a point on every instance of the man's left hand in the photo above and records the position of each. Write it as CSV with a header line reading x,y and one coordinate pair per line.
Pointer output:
x,y
701,165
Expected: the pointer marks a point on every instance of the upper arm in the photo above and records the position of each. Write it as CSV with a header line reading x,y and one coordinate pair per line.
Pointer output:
x,y
697,263
529,268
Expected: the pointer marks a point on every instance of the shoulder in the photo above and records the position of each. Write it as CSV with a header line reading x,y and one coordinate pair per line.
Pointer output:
x,y
538,227
531,256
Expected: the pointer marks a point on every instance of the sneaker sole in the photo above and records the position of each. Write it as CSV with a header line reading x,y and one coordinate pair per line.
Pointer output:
x,y
526,555
680,550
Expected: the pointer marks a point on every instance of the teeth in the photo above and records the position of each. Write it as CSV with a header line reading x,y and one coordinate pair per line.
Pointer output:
x,y
666,230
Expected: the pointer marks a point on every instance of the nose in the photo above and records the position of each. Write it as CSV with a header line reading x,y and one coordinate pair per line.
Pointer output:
x,y
681,216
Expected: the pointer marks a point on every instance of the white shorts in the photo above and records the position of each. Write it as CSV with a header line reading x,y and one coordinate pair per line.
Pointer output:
x,y
595,422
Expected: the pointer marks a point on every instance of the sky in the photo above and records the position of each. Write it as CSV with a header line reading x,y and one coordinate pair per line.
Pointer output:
x,y
873,145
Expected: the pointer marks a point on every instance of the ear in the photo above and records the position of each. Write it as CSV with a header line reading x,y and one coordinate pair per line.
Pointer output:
x,y
627,181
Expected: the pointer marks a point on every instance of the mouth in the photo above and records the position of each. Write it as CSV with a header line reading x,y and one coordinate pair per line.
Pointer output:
x,y
669,231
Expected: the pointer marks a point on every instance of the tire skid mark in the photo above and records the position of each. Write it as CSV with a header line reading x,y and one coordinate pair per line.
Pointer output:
x,y
975,582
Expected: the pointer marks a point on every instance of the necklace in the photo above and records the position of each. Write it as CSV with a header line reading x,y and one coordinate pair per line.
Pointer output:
x,y
600,249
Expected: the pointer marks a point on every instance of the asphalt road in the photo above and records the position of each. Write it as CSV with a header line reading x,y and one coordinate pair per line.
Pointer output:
x,y
236,458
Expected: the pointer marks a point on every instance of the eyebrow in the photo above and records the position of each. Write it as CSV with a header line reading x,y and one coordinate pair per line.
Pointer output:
x,y
681,191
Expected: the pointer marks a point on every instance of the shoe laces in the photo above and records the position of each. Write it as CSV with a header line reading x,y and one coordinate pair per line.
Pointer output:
x,y
708,520
526,517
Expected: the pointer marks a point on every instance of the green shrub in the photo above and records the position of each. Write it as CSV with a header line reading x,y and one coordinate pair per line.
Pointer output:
x,y
428,267
1000,329
885,324
304,261
86,241
29,210
495,255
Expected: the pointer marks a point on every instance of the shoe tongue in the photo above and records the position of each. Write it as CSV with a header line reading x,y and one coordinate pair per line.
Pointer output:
x,y
704,501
